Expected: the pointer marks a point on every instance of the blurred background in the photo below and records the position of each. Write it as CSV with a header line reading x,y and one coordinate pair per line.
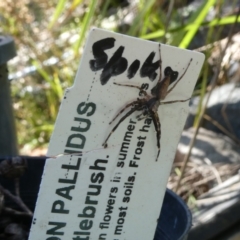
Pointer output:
x,y
49,36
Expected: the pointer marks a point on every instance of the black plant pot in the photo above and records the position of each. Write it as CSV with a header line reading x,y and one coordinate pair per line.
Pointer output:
x,y
174,221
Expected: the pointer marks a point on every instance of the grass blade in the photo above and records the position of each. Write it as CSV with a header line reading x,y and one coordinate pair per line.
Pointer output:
x,y
57,13
197,23
84,25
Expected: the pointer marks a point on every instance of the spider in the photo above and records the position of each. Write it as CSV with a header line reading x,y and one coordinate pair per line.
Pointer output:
x,y
149,104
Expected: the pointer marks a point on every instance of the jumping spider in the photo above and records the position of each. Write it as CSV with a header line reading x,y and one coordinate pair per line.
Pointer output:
x,y
150,103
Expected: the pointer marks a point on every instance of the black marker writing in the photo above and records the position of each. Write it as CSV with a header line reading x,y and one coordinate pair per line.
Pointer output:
x,y
118,64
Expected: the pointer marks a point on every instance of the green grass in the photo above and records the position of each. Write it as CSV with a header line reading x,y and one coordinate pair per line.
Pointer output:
x,y
52,28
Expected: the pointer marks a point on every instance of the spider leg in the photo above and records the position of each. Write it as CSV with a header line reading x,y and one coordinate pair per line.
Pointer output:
x,y
162,103
138,116
157,126
180,77
127,106
160,64
119,122
133,86
143,117
144,113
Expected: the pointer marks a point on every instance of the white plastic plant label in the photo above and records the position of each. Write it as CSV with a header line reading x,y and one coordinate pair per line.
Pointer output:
x,y
107,181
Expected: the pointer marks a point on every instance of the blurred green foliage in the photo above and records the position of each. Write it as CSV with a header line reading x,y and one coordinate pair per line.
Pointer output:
x,y
49,35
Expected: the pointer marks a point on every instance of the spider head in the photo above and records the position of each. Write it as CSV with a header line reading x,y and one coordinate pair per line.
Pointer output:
x,y
168,72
